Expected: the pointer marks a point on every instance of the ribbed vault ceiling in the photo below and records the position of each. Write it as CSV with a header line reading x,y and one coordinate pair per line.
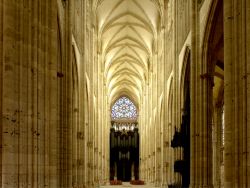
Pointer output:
x,y
127,32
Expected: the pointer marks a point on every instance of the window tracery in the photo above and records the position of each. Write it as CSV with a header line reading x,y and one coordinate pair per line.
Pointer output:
x,y
123,108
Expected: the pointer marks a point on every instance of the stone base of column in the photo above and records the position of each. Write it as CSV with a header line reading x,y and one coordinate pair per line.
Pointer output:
x,y
201,186
157,184
163,184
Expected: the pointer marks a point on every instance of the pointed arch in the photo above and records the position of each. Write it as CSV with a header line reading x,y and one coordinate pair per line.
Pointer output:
x,y
185,73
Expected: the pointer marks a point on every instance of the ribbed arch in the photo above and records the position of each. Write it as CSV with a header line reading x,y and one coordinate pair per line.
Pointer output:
x,y
128,23
127,34
142,46
136,44
145,23
124,91
132,73
126,82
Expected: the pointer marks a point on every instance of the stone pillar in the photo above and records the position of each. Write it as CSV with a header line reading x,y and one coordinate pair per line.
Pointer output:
x,y
193,103
200,127
147,136
68,174
237,92
1,86
28,64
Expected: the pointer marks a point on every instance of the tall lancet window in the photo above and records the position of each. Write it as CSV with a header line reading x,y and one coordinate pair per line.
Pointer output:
x,y
123,108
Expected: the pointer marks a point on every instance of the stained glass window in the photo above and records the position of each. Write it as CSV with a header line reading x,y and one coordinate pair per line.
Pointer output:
x,y
123,108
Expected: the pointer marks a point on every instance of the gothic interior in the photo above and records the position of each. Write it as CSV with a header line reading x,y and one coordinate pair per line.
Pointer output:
x,y
143,91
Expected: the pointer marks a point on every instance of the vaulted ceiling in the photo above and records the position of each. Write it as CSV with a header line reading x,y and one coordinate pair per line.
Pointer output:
x,y
127,33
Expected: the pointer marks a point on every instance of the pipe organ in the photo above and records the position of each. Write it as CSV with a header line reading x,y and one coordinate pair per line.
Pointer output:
x,y
124,151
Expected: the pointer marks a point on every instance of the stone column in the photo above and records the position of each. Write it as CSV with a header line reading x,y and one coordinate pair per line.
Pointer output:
x,y
147,135
201,110
28,64
237,92
193,103
68,92
201,128
1,86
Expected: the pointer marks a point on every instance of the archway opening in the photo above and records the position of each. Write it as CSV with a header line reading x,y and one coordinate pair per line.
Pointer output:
x,y
181,136
215,86
185,126
124,141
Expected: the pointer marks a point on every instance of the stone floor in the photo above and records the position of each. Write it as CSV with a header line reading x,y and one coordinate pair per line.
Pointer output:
x,y
126,184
